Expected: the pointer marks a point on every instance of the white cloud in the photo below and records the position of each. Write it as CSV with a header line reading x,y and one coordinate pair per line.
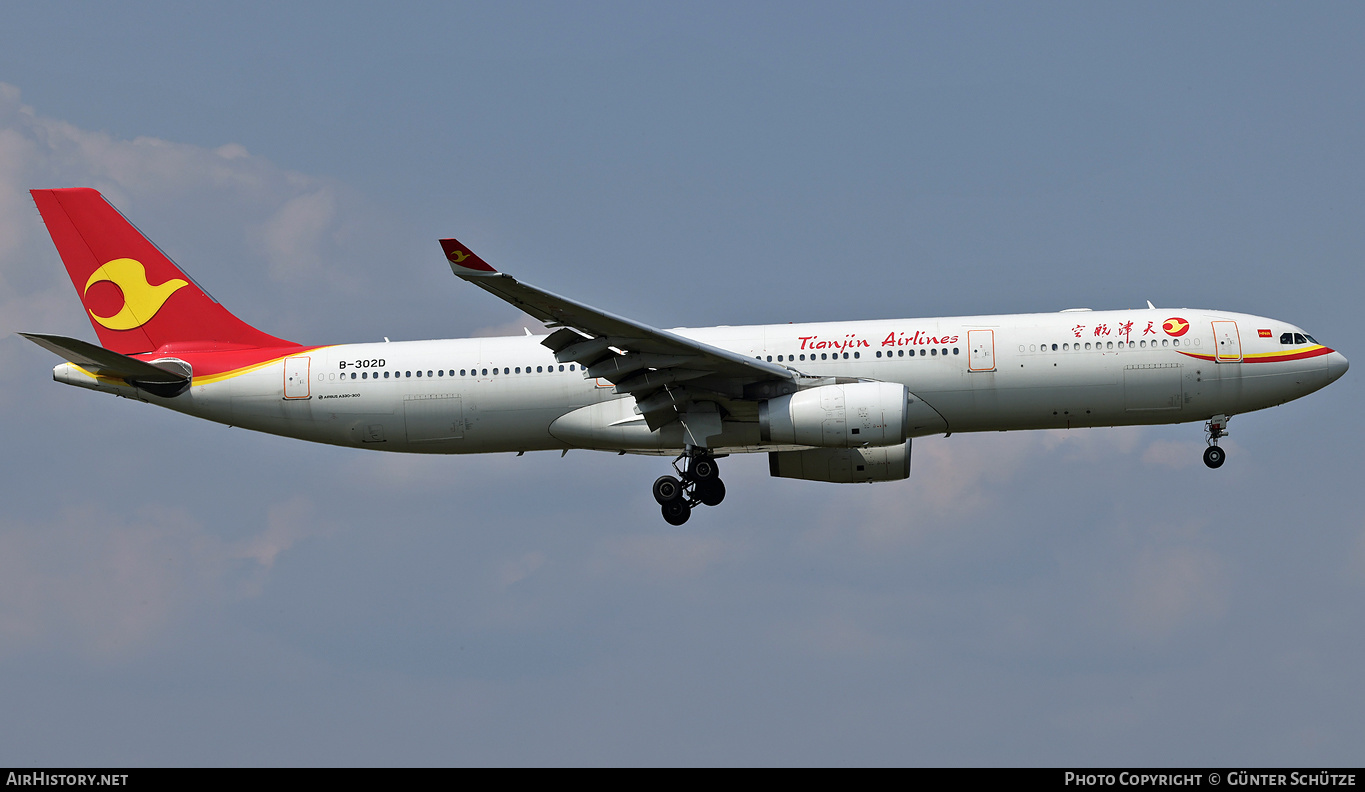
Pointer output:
x,y
291,220
519,569
109,587
662,558
1170,588
1174,454
292,240
954,480
512,327
287,524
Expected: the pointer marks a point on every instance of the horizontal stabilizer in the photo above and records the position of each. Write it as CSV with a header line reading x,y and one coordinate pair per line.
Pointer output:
x,y
104,362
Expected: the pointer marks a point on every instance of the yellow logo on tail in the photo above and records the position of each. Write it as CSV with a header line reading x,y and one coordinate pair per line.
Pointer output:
x,y
141,300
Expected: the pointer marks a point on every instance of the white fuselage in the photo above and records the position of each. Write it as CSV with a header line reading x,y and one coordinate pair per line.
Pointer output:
x,y
969,374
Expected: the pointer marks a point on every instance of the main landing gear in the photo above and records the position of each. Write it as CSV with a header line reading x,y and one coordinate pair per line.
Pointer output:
x,y
698,482
1216,427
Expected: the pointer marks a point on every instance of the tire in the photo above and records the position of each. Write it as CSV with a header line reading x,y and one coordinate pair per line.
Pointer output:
x,y
711,493
676,512
1214,457
702,469
667,489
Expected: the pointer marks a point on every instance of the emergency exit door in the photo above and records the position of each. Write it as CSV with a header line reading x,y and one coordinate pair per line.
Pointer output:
x,y
981,350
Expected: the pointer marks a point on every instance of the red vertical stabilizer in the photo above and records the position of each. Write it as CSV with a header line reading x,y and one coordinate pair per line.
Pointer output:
x,y
137,298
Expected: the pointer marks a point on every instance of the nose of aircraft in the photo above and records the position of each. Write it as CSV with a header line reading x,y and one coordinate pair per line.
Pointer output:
x,y
1336,366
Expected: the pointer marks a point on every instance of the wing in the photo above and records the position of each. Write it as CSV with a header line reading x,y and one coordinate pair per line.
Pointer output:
x,y
668,375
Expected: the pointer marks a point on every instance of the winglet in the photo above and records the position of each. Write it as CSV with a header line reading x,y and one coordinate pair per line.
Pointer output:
x,y
462,258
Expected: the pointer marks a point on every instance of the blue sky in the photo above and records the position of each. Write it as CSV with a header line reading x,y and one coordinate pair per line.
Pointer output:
x,y
176,592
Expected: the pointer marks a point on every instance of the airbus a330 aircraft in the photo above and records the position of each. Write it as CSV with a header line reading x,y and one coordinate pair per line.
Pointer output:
x,y
835,401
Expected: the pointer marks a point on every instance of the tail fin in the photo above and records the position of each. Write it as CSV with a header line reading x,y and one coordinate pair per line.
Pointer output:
x,y
137,298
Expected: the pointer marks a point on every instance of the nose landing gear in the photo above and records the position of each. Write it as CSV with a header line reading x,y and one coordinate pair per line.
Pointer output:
x,y
698,482
1214,429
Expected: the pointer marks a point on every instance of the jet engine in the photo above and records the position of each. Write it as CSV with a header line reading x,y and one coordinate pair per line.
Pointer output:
x,y
843,465
837,416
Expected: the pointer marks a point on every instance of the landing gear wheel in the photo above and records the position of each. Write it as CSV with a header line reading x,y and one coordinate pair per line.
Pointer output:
x,y
676,511
711,493
667,490
1214,457
702,469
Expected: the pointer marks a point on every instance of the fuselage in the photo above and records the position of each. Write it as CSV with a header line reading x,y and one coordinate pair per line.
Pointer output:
x,y
967,374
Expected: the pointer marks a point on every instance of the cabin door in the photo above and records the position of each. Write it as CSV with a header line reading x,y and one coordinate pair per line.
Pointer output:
x,y
981,350
296,377
1229,349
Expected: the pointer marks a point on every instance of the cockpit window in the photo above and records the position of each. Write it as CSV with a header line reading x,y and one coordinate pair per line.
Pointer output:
x,y
1286,338
1311,339
1299,339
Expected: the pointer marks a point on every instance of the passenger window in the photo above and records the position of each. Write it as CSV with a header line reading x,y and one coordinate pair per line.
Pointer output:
x,y
770,358
386,375
1033,347
879,354
855,355
538,369
845,356
352,375
933,352
485,372
1087,344
1054,346
1175,342
1163,342
901,352
561,368
571,368
461,372
518,369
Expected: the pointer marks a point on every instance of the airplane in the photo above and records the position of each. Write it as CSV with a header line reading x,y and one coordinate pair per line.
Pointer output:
x,y
832,401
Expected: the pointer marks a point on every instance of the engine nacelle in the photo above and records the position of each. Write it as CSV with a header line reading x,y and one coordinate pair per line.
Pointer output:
x,y
843,465
837,416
